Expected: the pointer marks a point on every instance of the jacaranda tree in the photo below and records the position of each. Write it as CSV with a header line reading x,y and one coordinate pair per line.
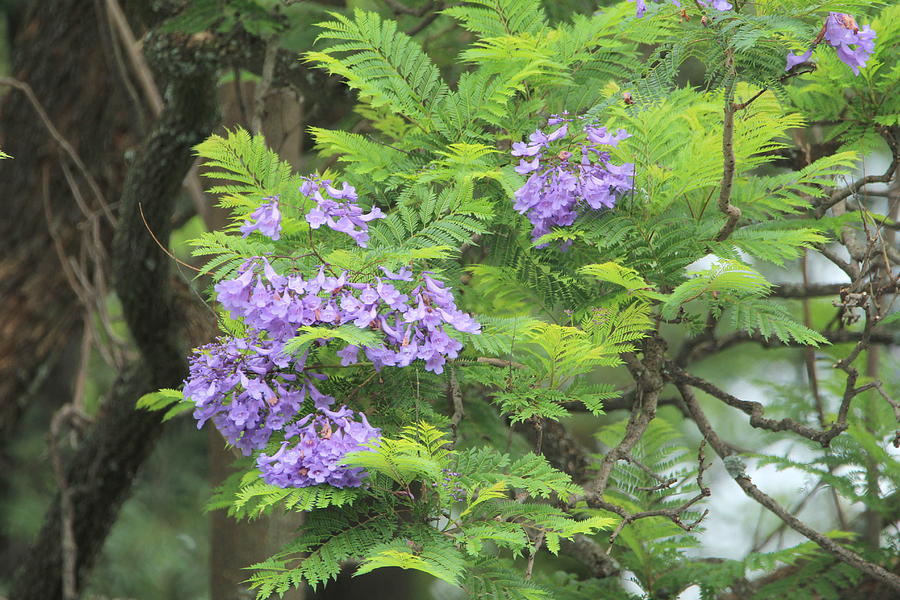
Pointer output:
x,y
564,219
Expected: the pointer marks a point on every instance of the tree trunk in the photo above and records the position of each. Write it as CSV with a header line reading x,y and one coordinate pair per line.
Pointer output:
x,y
61,51
100,474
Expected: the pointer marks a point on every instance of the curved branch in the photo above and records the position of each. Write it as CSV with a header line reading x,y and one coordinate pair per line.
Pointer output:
x,y
848,556
843,193
756,410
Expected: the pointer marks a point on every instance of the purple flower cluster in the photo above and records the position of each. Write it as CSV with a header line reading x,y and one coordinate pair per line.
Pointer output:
x,y
323,439
721,5
249,388
266,219
337,208
560,185
413,323
842,32
451,484
854,46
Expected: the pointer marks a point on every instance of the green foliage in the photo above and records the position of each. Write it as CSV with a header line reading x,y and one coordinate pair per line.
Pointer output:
x,y
456,492
223,16
430,553
329,537
497,18
726,278
255,498
410,473
170,401
771,319
387,67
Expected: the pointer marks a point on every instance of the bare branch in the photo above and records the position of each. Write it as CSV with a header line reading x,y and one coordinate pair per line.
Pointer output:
x,y
756,410
457,403
697,349
71,415
732,213
843,193
647,375
63,143
811,290
848,556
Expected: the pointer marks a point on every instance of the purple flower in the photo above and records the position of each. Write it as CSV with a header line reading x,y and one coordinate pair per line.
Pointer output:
x,y
842,32
266,219
337,208
412,320
600,136
559,188
403,274
557,119
721,5
322,440
248,388
795,59
642,6
525,167
854,46
523,149
559,133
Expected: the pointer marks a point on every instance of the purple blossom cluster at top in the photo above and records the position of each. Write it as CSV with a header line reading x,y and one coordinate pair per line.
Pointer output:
x,y
562,183
337,208
323,439
266,219
249,388
721,5
854,46
412,324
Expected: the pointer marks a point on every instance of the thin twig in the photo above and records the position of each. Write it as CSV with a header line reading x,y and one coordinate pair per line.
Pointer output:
x,y
647,375
161,247
538,542
151,92
68,413
843,193
114,20
674,514
63,143
756,411
457,403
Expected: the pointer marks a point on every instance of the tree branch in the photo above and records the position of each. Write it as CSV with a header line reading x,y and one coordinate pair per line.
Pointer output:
x,y
648,378
843,193
799,290
756,410
732,213
848,556
697,349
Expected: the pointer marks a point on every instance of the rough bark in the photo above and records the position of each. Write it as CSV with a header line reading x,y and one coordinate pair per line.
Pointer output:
x,y
101,471
60,53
